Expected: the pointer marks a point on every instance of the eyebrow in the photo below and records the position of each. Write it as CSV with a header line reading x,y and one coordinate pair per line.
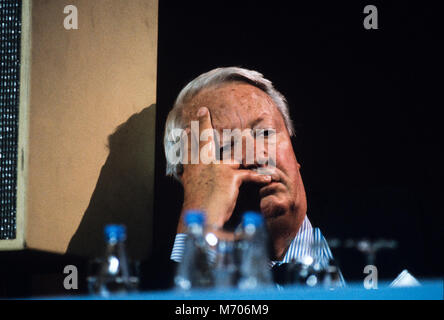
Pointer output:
x,y
257,121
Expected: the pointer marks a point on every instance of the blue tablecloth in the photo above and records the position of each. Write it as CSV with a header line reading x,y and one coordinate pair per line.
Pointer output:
x,y
429,290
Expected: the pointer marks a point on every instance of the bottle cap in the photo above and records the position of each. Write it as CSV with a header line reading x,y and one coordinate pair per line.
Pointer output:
x,y
194,216
115,231
254,218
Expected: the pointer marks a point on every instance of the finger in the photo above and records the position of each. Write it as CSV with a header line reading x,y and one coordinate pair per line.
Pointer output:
x,y
251,176
204,117
275,173
207,145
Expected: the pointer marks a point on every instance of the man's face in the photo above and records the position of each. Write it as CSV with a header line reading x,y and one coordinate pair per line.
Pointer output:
x,y
238,105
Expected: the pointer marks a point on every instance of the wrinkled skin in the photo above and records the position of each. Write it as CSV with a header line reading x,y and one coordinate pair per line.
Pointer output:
x,y
214,188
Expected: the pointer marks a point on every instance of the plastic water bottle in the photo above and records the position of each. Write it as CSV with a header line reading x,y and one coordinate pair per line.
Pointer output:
x,y
226,265
254,268
195,270
114,274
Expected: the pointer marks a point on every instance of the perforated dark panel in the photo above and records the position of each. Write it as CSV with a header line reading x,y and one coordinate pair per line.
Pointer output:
x,y
10,24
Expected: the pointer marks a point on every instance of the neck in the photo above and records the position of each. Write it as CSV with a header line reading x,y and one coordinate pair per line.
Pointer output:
x,y
282,233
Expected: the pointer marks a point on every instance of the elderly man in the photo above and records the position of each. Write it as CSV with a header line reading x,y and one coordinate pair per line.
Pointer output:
x,y
236,98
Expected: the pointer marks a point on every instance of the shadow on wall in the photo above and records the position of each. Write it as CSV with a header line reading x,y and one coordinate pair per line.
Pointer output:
x,y
124,190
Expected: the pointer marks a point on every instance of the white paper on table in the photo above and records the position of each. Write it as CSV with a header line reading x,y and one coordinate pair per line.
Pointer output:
x,y
405,279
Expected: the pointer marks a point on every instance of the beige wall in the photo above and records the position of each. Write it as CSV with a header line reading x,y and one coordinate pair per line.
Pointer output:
x,y
84,84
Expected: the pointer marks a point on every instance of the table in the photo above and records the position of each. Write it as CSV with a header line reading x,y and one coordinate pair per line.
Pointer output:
x,y
430,289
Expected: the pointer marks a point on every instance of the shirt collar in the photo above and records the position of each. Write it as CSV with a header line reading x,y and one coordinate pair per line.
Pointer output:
x,y
300,245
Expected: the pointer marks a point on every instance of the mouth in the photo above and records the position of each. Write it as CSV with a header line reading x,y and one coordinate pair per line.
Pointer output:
x,y
270,189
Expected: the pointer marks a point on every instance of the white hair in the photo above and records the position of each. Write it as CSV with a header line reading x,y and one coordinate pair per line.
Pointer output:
x,y
212,78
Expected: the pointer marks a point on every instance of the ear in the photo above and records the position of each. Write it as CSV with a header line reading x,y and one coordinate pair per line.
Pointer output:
x,y
179,173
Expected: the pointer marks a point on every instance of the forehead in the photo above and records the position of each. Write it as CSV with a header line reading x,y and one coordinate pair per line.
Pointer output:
x,y
234,105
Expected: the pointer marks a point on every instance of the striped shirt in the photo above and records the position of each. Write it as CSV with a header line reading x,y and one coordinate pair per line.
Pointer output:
x,y
300,246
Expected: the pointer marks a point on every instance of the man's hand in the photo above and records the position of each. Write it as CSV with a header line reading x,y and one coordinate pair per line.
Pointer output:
x,y
213,187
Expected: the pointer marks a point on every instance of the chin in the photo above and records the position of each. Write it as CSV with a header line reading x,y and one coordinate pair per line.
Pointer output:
x,y
274,207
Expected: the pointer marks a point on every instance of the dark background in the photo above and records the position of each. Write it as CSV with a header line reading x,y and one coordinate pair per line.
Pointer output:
x,y
365,116
362,106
